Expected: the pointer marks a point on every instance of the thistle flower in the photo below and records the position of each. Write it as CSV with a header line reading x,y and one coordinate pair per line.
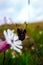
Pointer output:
x,y
4,46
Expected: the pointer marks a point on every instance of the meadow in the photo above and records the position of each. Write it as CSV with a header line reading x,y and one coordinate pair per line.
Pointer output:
x,y
32,52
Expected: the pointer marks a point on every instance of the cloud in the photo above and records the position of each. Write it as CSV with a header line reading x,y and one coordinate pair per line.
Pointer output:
x,y
10,10
1,1
23,15
20,10
14,9
35,10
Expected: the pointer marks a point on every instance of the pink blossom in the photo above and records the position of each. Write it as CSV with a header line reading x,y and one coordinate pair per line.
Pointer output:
x,y
4,46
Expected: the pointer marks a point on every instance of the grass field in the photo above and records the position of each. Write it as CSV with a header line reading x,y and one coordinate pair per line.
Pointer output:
x,y
32,52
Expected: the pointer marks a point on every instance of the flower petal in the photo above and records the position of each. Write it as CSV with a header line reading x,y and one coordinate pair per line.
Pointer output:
x,y
15,37
18,42
20,47
16,49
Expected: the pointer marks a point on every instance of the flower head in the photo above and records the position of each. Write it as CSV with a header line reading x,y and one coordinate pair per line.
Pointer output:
x,y
12,40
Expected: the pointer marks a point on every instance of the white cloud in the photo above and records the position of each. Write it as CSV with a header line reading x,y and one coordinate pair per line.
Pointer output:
x,y
15,9
1,1
23,15
10,10
19,10
35,10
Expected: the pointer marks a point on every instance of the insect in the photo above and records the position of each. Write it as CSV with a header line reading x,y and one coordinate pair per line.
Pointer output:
x,y
21,34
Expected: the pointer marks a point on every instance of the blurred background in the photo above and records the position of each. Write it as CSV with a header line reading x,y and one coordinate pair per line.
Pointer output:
x,y
27,14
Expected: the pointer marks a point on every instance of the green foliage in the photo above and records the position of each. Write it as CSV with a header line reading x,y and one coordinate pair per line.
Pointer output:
x,y
28,57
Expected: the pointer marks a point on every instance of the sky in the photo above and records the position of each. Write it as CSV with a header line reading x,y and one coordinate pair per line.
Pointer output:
x,y
20,10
